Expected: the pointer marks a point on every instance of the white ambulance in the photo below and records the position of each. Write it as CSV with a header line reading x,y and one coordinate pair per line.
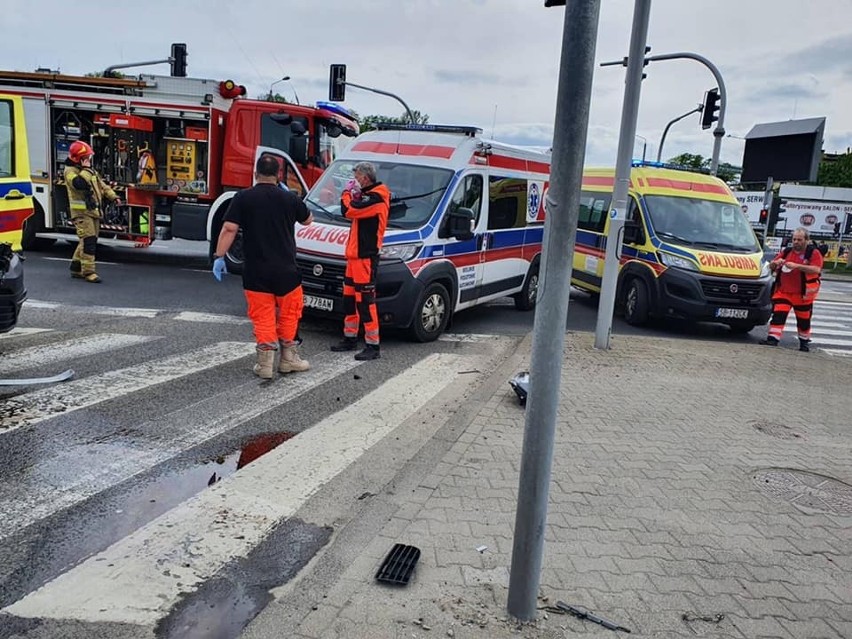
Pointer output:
x,y
466,225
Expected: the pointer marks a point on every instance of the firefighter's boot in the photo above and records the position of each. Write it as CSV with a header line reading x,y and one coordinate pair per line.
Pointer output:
x,y
76,269
290,360
265,363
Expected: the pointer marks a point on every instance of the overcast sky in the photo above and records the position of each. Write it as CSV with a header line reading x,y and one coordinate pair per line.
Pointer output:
x,y
492,63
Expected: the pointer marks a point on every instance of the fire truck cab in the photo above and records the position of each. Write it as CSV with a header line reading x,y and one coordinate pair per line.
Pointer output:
x,y
170,145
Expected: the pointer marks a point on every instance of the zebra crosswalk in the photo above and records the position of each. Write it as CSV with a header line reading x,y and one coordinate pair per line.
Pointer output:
x,y
78,443
831,328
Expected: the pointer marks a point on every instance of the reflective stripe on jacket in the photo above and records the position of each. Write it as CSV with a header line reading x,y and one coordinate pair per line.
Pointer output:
x,y
89,199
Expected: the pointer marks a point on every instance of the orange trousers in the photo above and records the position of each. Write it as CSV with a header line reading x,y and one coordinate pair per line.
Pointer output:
x,y
359,299
275,318
782,303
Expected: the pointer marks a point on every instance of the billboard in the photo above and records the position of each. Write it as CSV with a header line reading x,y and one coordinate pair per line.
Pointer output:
x,y
785,151
819,217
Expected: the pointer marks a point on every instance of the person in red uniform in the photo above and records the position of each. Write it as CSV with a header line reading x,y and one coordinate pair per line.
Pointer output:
x,y
267,214
366,202
797,270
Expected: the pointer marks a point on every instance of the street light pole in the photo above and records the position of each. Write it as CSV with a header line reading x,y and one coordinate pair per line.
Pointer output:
x,y
668,126
284,79
618,212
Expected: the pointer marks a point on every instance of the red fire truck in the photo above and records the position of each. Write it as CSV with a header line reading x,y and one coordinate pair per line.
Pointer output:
x,y
171,145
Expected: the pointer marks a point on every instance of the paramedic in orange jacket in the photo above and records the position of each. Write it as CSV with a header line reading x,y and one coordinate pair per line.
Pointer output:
x,y
797,270
366,202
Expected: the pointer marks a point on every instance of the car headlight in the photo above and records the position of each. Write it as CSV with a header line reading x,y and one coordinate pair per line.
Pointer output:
x,y
765,270
677,261
402,252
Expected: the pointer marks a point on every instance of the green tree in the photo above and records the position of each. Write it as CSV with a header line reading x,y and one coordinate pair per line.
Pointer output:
x,y
370,122
726,171
836,172
277,97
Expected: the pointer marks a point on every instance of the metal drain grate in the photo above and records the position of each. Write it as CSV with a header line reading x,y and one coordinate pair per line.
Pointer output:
x,y
774,429
807,491
398,565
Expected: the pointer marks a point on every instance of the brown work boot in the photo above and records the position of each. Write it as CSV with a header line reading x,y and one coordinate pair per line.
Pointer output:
x,y
91,278
265,363
291,362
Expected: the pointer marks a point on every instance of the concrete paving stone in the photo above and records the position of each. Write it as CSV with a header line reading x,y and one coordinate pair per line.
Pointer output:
x,y
680,584
598,564
469,557
419,495
819,591
767,627
449,527
720,603
619,583
432,513
842,628
396,528
317,621
810,628
767,607
770,589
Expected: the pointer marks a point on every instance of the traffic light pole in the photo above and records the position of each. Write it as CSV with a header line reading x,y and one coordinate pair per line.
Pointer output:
x,y
668,126
618,211
719,131
395,97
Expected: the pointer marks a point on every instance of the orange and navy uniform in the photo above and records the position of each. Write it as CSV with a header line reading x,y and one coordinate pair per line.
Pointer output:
x,y
795,290
369,216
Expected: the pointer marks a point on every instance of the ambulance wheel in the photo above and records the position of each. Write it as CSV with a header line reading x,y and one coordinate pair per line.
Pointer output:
x,y
431,313
526,299
636,304
741,328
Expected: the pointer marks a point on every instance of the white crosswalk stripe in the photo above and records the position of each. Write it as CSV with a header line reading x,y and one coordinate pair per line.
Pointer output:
x,y
68,349
831,326
36,406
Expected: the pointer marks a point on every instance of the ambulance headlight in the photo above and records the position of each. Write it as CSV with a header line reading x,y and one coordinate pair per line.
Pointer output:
x,y
765,270
677,261
403,252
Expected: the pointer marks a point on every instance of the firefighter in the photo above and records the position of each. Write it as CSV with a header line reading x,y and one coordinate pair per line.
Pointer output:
x,y
87,193
366,202
797,270
271,281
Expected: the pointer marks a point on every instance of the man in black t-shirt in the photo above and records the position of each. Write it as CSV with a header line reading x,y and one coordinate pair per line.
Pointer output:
x,y
273,287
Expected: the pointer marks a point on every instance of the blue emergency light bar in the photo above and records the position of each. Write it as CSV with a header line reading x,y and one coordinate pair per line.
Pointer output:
x,y
472,131
336,108
666,165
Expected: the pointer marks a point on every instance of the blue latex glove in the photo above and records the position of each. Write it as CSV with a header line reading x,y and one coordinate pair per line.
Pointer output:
x,y
219,268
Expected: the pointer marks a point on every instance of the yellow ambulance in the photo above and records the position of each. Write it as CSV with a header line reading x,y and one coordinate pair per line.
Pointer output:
x,y
688,252
16,205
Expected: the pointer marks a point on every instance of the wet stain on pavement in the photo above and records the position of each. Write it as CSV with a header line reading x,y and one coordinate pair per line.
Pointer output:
x,y
224,605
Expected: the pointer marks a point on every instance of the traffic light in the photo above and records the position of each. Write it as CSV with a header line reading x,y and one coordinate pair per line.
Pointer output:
x,y
337,83
837,229
711,106
554,3
178,60
764,216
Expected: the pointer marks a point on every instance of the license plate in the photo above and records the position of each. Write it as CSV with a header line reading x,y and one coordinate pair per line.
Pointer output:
x,y
732,313
319,303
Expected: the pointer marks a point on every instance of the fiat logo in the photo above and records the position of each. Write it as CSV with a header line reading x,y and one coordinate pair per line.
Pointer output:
x,y
317,270
734,288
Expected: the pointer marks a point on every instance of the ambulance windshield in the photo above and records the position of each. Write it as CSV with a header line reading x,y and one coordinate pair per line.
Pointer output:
x,y
415,191
702,223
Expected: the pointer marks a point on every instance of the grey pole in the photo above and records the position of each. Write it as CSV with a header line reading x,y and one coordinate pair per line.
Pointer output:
x,y
719,131
629,115
380,92
576,70
668,126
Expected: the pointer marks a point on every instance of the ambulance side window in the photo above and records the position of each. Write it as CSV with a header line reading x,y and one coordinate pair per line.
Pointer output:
x,y
593,210
507,203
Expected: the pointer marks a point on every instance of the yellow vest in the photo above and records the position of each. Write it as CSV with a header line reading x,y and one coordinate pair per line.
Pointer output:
x,y
90,201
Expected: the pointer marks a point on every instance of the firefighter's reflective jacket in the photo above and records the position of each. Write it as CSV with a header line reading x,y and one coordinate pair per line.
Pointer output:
x,y
86,191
